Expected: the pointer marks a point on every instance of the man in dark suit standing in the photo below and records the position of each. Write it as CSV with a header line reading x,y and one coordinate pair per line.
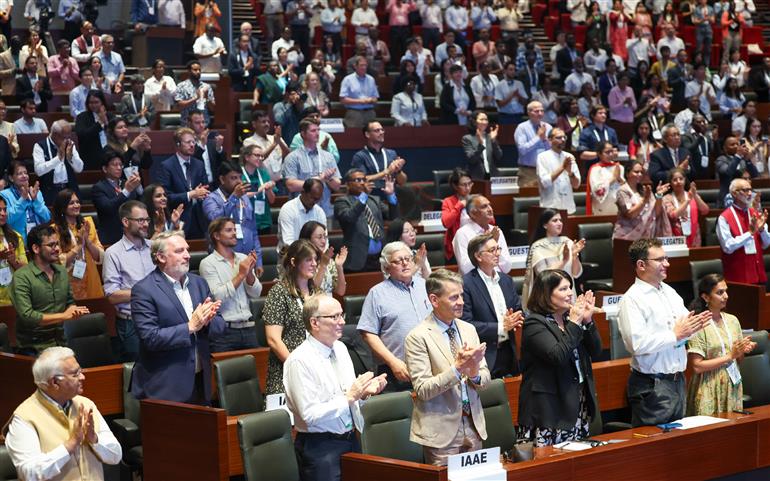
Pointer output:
x,y
110,193
566,56
701,148
361,217
492,305
243,66
174,317
376,161
671,155
184,179
30,85
209,147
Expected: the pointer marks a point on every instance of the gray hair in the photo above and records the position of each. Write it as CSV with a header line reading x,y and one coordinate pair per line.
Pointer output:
x,y
159,242
666,128
388,251
434,284
58,126
48,365
734,183
106,37
469,206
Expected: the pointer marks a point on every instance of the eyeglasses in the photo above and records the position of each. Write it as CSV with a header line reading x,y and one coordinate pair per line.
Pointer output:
x,y
747,190
661,259
335,317
494,250
75,374
358,180
141,220
402,260
466,184
51,245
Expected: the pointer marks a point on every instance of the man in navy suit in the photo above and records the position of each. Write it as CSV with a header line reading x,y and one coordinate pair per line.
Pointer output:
x,y
184,179
376,161
492,306
174,318
110,193
209,147
671,155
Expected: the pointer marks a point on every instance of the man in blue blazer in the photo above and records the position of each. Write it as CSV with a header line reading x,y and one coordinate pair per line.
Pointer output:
x,y
492,306
110,193
184,179
174,318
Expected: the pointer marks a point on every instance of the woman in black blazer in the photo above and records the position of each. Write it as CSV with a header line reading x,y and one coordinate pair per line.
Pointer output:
x,y
557,398
481,142
457,100
91,128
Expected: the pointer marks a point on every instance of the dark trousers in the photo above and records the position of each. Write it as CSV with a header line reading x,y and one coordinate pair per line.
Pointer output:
x,y
431,38
319,454
504,362
394,385
129,339
655,399
301,35
234,339
198,396
71,30
399,34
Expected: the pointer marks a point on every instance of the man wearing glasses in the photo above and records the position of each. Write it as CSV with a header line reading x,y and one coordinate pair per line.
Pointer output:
x,y
391,309
42,295
323,392
743,236
361,216
56,433
126,262
557,174
482,216
655,326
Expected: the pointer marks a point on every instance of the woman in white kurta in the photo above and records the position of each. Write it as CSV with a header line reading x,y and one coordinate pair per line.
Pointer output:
x,y
603,182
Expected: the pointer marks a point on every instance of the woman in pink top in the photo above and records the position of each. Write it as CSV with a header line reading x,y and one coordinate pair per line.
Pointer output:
x,y
622,100
400,31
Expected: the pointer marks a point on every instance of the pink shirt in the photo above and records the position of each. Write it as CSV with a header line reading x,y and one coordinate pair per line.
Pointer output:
x,y
618,109
399,15
62,74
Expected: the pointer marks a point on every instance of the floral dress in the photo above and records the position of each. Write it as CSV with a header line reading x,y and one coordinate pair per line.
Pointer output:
x,y
282,309
713,392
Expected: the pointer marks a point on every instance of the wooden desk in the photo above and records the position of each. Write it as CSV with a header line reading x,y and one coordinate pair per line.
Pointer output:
x,y
738,445
750,304
679,267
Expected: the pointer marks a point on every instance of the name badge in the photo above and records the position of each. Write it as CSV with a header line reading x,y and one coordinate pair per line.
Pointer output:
x,y
79,269
704,161
686,227
751,247
142,121
259,207
734,373
30,226
238,231
129,171
657,135
5,276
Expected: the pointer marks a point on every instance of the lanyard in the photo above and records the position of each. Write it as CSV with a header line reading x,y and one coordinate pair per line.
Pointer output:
x,y
240,205
705,150
48,146
259,180
604,135
384,157
737,221
721,341
676,206
133,100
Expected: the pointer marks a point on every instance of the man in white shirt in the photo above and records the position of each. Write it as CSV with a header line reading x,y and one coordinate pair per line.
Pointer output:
x,y
639,48
655,326
171,13
323,392
670,40
441,49
56,161
260,125
483,86
573,84
232,278
557,174
363,19
208,49
481,216
296,212
699,87
56,433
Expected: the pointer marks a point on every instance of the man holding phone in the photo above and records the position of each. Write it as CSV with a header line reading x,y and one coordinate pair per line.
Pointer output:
x,y
232,278
232,200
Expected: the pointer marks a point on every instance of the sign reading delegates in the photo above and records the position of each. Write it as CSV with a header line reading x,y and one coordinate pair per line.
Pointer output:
x,y
504,185
611,305
332,126
481,465
519,256
675,246
431,221
278,401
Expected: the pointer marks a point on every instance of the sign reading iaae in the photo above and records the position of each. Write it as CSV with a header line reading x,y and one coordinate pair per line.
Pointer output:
x,y
431,221
483,464
278,401
504,185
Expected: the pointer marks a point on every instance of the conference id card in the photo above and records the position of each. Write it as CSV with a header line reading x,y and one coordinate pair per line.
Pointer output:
x,y
734,373
704,161
238,231
130,170
79,269
259,207
751,247
686,227
30,226
5,276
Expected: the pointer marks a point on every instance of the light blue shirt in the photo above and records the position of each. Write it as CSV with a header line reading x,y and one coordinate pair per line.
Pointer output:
x,y
303,164
456,18
125,265
529,144
113,66
503,89
75,15
78,100
355,87
482,17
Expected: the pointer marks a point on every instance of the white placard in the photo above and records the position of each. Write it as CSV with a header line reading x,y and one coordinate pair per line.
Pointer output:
x,y
611,305
481,465
518,256
278,401
332,126
675,246
504,185
209,77
431,221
